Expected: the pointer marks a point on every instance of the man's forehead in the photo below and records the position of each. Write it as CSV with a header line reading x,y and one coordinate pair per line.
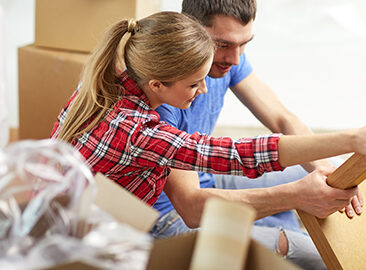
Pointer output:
x,y
233,42
232,38
230,30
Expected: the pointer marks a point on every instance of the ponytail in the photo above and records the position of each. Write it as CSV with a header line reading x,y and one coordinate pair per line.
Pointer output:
x,y
166,46
99,89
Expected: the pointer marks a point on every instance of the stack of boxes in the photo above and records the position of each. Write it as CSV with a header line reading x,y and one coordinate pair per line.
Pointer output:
x,y
49,70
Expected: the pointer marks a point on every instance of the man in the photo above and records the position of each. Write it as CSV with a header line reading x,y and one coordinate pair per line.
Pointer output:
x,y
230,25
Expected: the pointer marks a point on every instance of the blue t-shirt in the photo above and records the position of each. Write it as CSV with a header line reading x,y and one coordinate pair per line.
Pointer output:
x,y
201,116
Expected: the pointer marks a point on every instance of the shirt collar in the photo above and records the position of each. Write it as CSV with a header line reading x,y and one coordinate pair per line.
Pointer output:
x,y
131,88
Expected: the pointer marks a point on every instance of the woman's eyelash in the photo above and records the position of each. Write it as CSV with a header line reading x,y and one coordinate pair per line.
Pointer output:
x,y
221,45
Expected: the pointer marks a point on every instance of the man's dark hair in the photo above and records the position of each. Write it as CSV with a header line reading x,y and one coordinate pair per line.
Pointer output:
x,y
204,10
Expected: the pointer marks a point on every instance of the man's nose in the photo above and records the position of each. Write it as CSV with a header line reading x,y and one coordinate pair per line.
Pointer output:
x,y
233,56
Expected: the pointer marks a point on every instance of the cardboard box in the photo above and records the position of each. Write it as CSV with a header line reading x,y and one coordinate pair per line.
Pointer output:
x,y
176,253
79,24
167,254
47,78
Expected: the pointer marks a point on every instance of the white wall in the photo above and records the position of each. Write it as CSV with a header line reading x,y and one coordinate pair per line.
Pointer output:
x,y
312,57
312,53
4,135
19,31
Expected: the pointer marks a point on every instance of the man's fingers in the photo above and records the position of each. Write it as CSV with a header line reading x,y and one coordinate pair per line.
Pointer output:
x,y
360,197
357,206
353,207
349,211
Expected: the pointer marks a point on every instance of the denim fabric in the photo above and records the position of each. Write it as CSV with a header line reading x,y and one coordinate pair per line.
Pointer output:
x,y
170,224
301,249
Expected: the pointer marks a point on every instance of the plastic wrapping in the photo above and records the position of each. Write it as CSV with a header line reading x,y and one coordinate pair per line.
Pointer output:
x,y
47,214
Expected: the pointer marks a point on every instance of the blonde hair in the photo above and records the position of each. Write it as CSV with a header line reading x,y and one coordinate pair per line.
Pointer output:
x,y
166,46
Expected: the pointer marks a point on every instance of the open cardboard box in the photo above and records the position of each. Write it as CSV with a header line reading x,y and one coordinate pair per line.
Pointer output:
x,y
176,253
171,253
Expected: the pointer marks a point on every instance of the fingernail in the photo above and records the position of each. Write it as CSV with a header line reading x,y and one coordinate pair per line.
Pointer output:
x,y
350,213
358,210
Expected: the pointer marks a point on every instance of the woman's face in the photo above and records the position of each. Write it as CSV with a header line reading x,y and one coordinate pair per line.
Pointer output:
x,y
181,93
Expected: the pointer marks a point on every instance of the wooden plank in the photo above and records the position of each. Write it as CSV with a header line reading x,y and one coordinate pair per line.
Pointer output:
x,y
341,241
351,173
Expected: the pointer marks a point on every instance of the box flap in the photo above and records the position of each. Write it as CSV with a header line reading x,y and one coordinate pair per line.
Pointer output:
x,y
124,206
73,266
223,240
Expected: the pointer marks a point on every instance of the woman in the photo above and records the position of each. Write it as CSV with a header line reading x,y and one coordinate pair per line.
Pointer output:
x,y
111,120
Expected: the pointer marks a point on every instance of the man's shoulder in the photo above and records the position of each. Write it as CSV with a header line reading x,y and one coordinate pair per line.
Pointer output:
x,y
169,114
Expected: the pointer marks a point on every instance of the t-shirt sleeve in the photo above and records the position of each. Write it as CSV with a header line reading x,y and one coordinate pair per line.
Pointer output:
x,y
169,114
241,71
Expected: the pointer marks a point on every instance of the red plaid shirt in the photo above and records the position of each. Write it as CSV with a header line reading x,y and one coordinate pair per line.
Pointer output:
x,y
133,148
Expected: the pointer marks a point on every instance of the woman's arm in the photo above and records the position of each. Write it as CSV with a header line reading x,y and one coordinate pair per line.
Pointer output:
x,y
297,149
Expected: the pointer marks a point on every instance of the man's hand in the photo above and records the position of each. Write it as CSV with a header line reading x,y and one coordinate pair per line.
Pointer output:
x,y
315,196
357,201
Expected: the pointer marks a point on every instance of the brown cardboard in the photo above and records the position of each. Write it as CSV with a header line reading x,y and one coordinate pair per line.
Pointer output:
x,y
261,258
124,206
176,253
171,253
47,78
73,266
79,24
224,235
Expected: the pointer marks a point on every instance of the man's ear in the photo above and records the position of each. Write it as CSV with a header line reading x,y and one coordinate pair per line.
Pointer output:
x,y
156,86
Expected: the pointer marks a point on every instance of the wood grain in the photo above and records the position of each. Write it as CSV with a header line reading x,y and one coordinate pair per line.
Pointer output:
x,y
341,241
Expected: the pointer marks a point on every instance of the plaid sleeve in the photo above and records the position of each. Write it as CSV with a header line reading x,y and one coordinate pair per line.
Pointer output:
x,y
164,145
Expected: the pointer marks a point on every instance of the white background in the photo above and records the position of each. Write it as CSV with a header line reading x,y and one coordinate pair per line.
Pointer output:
x,y
312,53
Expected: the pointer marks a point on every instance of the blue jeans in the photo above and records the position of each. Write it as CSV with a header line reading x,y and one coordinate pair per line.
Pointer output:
x,y
267,230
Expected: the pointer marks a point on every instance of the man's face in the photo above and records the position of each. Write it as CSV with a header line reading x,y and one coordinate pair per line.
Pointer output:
x,y
230,36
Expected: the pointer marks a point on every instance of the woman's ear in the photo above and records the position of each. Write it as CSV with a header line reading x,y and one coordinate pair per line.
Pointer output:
x,y
156,86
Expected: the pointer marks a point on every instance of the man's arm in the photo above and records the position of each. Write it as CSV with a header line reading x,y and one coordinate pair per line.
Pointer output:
x,y
310,194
